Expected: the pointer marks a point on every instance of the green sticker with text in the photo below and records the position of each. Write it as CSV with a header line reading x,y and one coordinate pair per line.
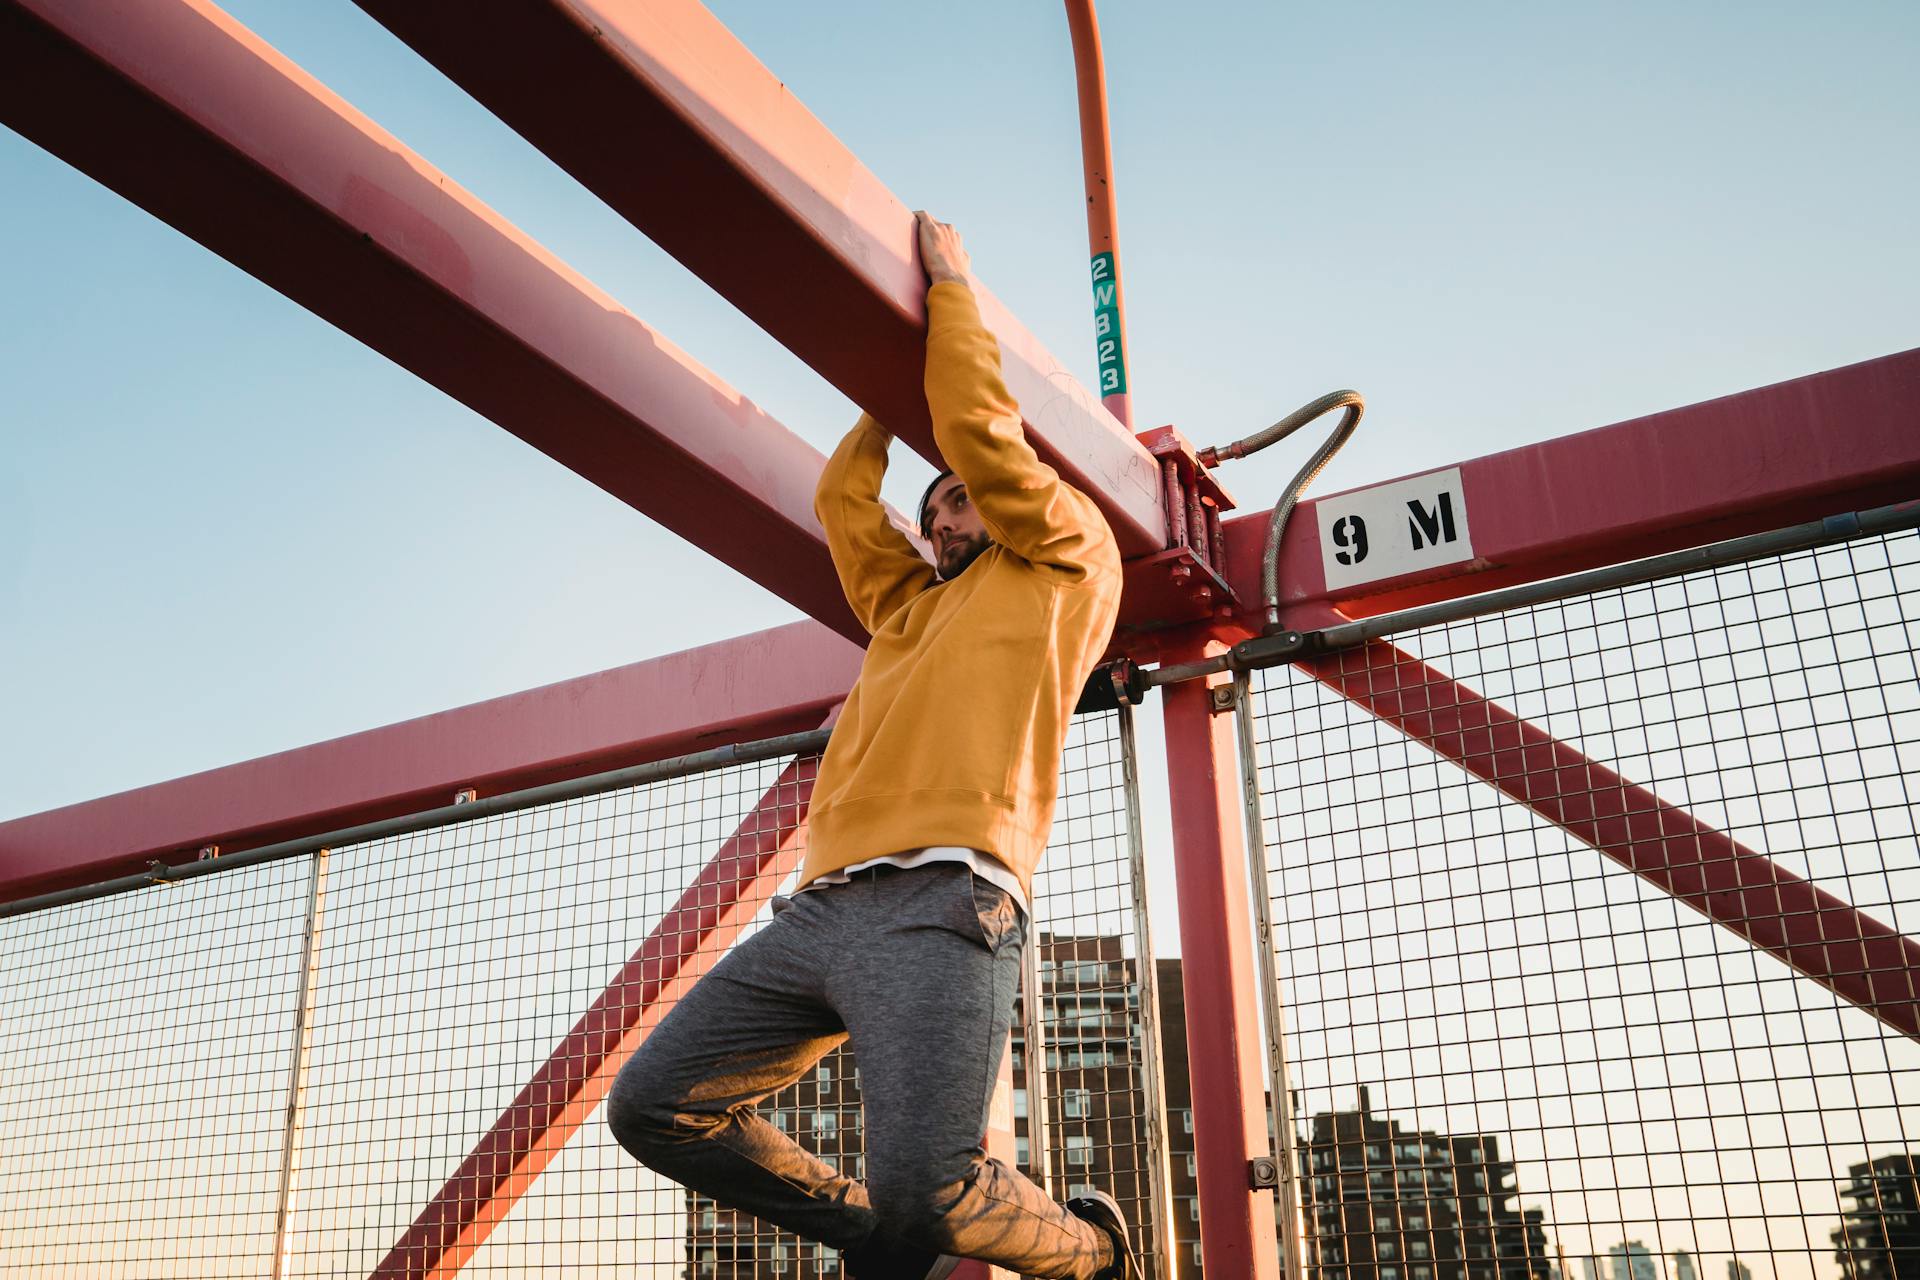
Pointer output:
x,y
1106,326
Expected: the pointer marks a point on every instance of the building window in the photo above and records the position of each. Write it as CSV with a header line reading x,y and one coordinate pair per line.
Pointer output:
x,y
1197,1259
779,1259
1074,1103
1193,1166
1193,1208
825,1124
1418,1249
1022,1151
1186,1119
823,1076
1079,1151
1020,1104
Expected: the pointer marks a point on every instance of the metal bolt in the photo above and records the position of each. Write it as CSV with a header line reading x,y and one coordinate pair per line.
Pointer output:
x,y
1263,1171
1222,697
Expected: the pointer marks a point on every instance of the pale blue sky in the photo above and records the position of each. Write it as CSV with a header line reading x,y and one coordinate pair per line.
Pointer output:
x,y
227,529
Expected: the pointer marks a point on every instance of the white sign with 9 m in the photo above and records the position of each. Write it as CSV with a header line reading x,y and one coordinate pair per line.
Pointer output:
x,y
1393,529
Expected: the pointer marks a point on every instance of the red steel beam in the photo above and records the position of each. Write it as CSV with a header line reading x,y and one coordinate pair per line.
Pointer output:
x,y
1810,930
183,111
1763,459
1224,1043
708,916
660,111
757,686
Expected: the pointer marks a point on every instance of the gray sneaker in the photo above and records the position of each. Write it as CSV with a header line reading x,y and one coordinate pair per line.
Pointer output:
x,y
1098,1209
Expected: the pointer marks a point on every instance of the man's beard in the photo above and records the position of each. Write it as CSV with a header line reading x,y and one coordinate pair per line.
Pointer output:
x,y
958,554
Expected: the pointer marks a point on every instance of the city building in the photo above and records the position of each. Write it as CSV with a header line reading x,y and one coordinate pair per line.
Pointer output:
x,y
1683,1268
1096,1087
1387,1203
1177,1082
1632,1260
1738,1270
1879,1236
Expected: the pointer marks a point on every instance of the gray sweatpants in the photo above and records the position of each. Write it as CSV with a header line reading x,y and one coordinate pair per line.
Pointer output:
x,y
918,968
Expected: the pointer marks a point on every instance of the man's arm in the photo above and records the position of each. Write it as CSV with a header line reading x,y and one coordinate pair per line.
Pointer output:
x,y
1024,503
878,567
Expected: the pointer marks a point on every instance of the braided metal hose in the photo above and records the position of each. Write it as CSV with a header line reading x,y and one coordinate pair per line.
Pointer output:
x,y
1355,405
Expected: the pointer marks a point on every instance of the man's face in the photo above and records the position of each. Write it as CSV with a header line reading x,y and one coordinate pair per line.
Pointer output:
x,y
955,528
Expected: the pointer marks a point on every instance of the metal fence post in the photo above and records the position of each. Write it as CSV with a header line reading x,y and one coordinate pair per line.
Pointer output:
x,y
1034,1072
1153,1078
1288,1201
297,1066
1237,1230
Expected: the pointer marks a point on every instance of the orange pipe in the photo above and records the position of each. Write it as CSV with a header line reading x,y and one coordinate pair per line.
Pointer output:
x,y
1096,155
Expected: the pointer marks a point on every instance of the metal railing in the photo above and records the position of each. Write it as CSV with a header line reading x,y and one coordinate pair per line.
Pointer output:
x,y
316,1061
1509,1049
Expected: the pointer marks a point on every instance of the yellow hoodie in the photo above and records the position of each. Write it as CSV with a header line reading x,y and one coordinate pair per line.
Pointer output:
x,y
953,733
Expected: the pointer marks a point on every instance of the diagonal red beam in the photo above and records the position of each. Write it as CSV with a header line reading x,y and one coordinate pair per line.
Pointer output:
x,y
1842,440
708,916
660,111
1810,930
756,686
183,111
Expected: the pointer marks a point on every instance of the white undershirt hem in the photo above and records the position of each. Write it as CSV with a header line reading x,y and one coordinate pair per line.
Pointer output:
x,y
987,867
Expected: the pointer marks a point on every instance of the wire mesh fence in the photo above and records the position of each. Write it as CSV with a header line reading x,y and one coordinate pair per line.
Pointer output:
x,y
150,1043
144,1059
1508,1055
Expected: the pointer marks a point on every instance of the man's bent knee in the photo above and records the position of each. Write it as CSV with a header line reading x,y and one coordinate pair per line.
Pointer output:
x,y
645,1117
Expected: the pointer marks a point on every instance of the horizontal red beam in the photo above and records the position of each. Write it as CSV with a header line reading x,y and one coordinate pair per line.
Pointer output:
x,y
1843,440
183,111
1810,930
757,686
706,919
660,111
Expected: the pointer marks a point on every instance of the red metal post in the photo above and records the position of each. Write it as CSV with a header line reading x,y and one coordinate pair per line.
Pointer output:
x,y
702,924
758,686
755,196
1103,240
1225,1049
1820,936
